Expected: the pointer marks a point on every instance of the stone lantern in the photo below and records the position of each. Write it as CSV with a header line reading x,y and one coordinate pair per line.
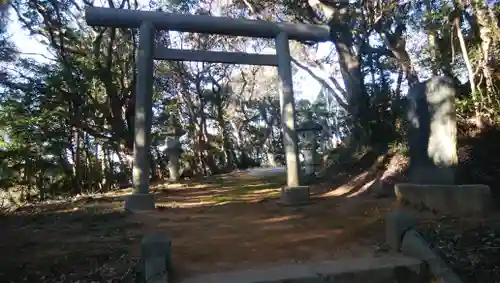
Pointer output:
x,y
174,150
307,131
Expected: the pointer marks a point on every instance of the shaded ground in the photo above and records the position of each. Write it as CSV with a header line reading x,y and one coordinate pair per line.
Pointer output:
x,y
217,224
54,246
479,158
265,233
470,246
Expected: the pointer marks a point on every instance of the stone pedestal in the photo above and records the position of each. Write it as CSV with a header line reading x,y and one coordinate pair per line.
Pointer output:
x,y
140,202
432,132
451,199
295,195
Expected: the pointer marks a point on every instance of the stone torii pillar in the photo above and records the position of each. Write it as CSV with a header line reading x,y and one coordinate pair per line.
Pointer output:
x,y
149,22
141,199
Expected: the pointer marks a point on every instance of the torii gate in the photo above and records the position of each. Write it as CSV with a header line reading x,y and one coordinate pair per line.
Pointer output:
x,y
148,22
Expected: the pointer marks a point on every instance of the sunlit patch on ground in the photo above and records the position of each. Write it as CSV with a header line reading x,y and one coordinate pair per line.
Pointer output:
x,y
279,219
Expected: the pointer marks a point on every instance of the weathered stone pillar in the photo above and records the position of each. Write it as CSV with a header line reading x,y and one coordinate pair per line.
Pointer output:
x,y
141,199
174,152
293,192
308,131
287,105
432,132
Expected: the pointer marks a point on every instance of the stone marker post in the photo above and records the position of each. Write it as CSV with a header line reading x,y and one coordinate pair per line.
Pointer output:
x,y
308,131
432,132
156,258
174,152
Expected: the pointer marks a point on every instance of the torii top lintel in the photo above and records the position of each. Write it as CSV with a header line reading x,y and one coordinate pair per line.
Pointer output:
x,y
111,17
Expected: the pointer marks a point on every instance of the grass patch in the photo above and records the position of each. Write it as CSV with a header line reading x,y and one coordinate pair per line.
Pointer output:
x,y
223,199
258,188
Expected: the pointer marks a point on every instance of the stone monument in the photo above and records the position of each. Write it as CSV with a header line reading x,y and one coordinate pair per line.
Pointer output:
x,y
174,151
308,132
432,144
432,132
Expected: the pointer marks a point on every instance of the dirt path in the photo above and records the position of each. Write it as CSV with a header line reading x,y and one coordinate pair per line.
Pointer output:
x,y
217,224
253,229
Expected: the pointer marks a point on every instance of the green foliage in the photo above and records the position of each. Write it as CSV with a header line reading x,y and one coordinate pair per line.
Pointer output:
x,y
400,148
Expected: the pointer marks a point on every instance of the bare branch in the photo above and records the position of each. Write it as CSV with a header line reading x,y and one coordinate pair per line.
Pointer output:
x,y
324,83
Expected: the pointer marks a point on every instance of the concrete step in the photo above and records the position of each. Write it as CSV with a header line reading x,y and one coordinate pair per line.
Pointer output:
x,y
386,269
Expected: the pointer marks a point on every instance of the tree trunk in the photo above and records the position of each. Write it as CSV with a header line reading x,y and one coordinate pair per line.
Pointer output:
x,y
110,165
101,153
269,152
432,39
209,156
226,146
457,26
154,172
90,166
77,160
350,68
396,43
485,33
